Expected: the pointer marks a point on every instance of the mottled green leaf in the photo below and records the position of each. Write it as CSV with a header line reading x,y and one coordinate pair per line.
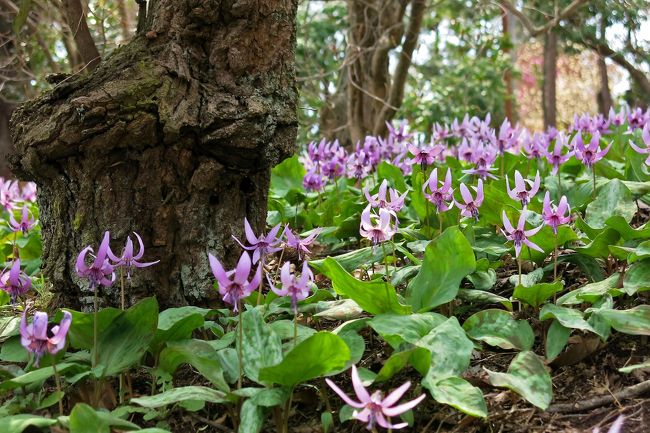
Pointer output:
x,y
19,423
568,317
537,294
527,376
499,328
590,292
483,297
183,393
635,321
199,355
450,350
613,198
460,394
261,346
397,329
557,338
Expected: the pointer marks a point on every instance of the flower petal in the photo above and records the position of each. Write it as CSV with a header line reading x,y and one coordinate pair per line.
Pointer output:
x,y
396,410
344,396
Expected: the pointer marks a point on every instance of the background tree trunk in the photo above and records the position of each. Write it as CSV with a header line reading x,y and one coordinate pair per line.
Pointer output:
x,y
549,101
173,136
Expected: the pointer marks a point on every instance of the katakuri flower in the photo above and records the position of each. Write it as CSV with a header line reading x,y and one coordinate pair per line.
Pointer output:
x,y
38,338
375,408
300,245
395,203
234,284
27,221
471,205
377,228
313,180
554,216
591,154
441,195
556,157
424,156
127,259
297,288
646,141
101,272
263,245
520,192
15,282
519,236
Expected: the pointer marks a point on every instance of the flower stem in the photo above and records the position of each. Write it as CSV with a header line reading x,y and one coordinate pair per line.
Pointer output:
x,y
295,327
519,270
57,381
259,291
240,348
383,250
559,182
122,305
593,172
440,218
95,323
555,259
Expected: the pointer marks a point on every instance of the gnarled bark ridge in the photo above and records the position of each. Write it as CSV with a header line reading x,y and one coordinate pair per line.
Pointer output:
x,y
172,136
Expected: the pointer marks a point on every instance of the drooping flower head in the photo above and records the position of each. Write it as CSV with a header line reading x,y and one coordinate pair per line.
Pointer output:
x,y
38,338
234,285
471,205
556,157
101,272
28,192
394,202
508,137
399,134
518,235
554,216
424,156
27,221
441,194
300,245
520,192
590,154
261,245
297,288
646,140
377,228
15,282
375,408
535,147
313,180
127,259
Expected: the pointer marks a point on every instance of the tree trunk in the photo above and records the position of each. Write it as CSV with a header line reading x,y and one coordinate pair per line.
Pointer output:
x,y
604,95
172,136
6,108
549,101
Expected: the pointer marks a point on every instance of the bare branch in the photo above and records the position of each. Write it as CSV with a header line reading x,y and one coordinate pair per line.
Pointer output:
x,y
76,19
528,24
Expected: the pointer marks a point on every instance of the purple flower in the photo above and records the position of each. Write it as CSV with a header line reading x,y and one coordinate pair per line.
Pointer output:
x,y
462,129
15,282
377,228
471,205
101,269
38,339
554,215
440,196
358,165
296,288
127,259
535,147
440,133
300,245
6,194
400,134
28,192
556,157
27,221
591,154
507,138
646,141
395,203
313,180
424,156
520,191
374,407
262,245
519,236
616,119
637,118
234,284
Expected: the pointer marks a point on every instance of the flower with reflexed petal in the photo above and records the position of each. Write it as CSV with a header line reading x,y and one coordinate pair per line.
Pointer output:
x,y
441,192
394,203
518,235
38,338
471,205
15,282
377,228
127,259
520,192
297,288
261,245
27,221
376,408
646,141
590,154
554,216
300,245
101,272
234,284
556,157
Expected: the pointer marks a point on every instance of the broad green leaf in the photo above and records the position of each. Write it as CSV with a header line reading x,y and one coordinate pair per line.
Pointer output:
x,y
50,400
374,296
637,278
483,280
199,355
613,198
599,246
556,339
626,231
183,393
9,327
641,252
568,317
394,364
450,350
527,376
318,355
537,294
499,328
251,418
177,324
527,280
19,423
352,260
80,334
128,336
460,394
356,344
439,279
635,321
85,419
35,376
13,351
287,176
397,329
261,346
590,292
393,174
483,297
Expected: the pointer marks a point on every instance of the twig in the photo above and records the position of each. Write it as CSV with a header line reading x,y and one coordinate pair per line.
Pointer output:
x,y
592,403
214,424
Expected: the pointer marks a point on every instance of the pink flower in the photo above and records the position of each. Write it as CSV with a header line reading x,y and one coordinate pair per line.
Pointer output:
x,y
262,245
441,195
101,272
591,154
519,236
424,155
556,157
395,203
38,339
234,284
554,215
300,245
375,408
27,221
471,205
377,228
15,282
520,192
646,141
296,288
128,260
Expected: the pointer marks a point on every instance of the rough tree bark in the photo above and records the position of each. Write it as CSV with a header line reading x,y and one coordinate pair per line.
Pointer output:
x,y
173,136
604,96
549,100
